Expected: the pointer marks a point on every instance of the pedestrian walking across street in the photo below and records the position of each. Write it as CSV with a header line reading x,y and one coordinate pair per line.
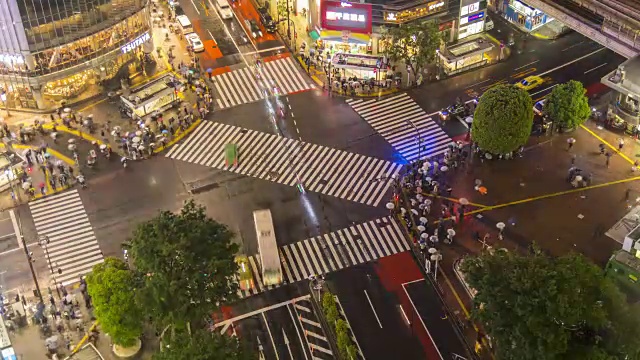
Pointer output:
x,y
570,142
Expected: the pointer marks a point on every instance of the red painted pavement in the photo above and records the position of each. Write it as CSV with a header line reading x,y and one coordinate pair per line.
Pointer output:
x,y
395,270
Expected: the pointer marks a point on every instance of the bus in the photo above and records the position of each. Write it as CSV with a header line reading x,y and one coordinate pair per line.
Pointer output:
x,y
185,24
624,269
267,248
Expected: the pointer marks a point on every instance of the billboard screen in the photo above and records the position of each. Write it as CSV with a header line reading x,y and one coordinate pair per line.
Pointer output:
x,y
341,15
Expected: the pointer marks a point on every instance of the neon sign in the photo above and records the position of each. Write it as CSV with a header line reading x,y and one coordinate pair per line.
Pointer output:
x,y
344,16
136,42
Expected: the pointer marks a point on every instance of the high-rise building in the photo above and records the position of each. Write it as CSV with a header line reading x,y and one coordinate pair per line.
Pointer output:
x,y
56,51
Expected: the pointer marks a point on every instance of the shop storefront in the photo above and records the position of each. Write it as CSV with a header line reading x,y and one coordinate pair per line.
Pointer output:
x,y
524,16
471,19
392,16
464,56
345,27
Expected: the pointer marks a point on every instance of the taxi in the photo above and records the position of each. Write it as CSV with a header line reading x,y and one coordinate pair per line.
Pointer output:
x,y
245,279
530,82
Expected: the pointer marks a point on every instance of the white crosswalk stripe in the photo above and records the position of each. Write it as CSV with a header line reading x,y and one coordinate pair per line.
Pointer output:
x,y
286,161
242,86
334,251
399,120
73,248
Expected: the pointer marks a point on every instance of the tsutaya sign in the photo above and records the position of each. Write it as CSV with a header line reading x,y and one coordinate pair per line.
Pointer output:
x,y
135,43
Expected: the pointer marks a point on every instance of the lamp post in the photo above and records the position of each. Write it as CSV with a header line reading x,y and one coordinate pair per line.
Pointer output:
x,y
43,241
436,257
419,137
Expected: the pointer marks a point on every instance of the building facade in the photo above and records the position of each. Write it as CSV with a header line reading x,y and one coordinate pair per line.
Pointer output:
x,y
59,51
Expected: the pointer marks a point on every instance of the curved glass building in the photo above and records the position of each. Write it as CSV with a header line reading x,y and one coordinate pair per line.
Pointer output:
x,y
62,50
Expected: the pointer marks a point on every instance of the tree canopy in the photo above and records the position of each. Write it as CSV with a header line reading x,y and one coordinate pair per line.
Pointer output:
x,y
203,345
414,43
567,105
503,119
537,307
112,287
187,260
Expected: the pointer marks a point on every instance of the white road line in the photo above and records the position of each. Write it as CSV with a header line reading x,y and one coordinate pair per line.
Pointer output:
x,y
478,83
195,7
404,314
273,343
525,65
326,351
349,324
317,336
420,317
572,46
545,89
293,320
310,322
16,228
264,309
597,67
372,308
571,62
265,50
303,308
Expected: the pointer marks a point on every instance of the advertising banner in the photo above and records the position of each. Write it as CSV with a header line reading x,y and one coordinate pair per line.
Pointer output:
x,y
341,15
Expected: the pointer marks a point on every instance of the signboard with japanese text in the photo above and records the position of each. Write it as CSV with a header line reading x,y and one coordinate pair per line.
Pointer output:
x,y
341,15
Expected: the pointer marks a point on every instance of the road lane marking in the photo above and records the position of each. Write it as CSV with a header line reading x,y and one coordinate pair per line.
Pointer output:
x,y
525,65
303,308
273,343
614,148
293,320
524,73
545,89
595,68
571,62
195,7
317,336
16,227
404,314
372,308
264,50
326,351
478,83
353,335
420,317
261,310
574,45
310,322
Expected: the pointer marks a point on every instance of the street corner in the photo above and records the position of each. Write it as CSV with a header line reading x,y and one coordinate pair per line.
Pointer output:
x,y
177,137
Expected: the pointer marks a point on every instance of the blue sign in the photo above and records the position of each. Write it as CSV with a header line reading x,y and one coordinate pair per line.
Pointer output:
x,y
135,43
477,16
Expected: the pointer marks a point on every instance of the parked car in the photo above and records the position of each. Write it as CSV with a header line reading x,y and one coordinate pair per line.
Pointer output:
x,y
194,40
267,20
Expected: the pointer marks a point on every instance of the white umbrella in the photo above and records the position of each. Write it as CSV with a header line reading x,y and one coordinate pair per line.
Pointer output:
x,y
451,232
67,110
136,140
424,236
419,197
433,239
141,147
403,210
444,168
71,147
390,206
428,179
423,220
421,228
414,211
26,185
501,225
138,133
427,202
488,156
464,201
71,141
103,146
117,128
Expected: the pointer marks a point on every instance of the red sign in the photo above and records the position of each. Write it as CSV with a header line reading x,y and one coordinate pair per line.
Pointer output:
x,y
342,15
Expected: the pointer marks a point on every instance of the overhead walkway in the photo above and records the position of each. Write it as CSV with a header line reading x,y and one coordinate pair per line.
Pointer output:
x,y
612,23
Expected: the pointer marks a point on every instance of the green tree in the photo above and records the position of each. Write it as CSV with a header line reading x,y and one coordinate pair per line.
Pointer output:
x,y
413,43
330,308
537,307
112,287
567,105
503,119
188,262
203,345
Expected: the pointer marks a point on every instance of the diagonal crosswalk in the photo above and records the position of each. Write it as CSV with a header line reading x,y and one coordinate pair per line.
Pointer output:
x,y
242,86
73,248
331,252
291,162
399,120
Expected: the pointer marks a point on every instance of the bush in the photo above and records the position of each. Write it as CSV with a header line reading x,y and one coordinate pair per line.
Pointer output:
x,y
330,308
345,344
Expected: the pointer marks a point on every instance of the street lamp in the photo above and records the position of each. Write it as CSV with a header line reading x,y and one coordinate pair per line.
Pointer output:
x,y
419,137
436,257
43,241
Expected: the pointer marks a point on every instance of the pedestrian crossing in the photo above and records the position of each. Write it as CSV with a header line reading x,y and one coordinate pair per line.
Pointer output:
x,y
242,86
73,248
331,252
314,334
291,162
405,125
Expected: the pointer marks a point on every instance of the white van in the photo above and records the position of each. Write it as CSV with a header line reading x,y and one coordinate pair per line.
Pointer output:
x,y
488,24
224,9
184,24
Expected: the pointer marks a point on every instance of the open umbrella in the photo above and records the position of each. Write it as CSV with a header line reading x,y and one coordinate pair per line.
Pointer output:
x,y
463,201
138,133
390,206
488,156
444,168
103,146
427,202
67,110
136,139
71,147
424,236
71,141
423,220
501,225
209,70
421,228
414,211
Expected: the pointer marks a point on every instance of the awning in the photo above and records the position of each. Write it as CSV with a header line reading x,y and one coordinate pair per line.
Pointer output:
x,y
335,35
